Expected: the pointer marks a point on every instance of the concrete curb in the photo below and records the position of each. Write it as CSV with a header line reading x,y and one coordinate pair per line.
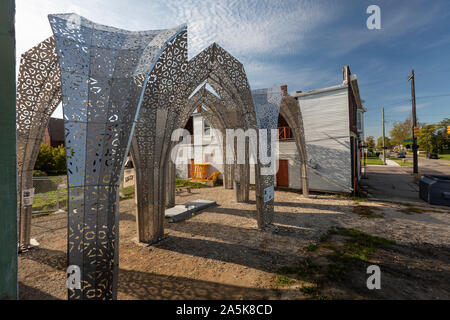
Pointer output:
x,y
187,210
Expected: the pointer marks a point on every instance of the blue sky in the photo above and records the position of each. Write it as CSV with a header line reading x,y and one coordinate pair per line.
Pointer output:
x,y
303,44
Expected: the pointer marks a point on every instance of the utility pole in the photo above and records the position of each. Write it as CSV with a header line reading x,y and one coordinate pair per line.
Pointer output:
x,y
414,124
384,140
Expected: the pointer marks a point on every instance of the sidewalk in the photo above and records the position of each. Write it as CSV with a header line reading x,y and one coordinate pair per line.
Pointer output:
x,y
392,163
394,183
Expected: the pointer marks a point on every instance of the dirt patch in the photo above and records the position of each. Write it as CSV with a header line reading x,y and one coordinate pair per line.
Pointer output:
x,y
412,210
220,253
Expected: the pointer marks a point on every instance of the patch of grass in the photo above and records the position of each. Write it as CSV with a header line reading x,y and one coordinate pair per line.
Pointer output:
x,y
47,201
444,156
128,193
349,249
359,199
306,270
282,280
374,161
356,249
368,212
190,184
310,290
312,247
361,237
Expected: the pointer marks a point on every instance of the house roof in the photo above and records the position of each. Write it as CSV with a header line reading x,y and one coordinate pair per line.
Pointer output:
x,y
317,91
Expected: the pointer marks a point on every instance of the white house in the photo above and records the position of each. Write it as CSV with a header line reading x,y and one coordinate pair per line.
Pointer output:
x,y
333,121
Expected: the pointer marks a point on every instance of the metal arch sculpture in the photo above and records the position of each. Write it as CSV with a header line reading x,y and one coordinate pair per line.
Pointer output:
x,y
227,77
291,112
38,95
104,72
157,119
216,119
107,74
222,116
230,118
163,110
267,106
194,101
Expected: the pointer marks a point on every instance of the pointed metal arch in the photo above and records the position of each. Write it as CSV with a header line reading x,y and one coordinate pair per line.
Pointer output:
x,y
37,96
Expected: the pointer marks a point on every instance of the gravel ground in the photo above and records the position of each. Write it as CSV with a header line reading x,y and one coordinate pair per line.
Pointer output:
x,y
220,254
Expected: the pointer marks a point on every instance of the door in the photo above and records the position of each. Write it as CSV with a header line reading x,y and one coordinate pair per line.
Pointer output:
x,y
283,173
190,168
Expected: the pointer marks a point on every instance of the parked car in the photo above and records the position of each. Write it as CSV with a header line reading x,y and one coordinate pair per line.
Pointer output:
x,y
401,155
432,156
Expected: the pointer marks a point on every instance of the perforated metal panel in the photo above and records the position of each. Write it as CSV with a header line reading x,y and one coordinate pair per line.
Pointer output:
x,y
112,82
166,107
38,94
104,72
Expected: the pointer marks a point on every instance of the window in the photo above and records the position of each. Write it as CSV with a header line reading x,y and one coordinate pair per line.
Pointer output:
x,y
206,128
359,121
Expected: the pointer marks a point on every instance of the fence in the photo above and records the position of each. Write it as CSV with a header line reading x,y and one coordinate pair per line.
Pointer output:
x,y
50,195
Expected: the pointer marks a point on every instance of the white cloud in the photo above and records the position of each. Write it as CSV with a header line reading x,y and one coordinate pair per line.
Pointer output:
x,y
249,27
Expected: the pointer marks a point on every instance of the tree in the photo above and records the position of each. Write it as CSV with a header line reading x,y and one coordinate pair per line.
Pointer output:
x,y
388,143
434,138
443,138
51,160
370,141
401,131
427,139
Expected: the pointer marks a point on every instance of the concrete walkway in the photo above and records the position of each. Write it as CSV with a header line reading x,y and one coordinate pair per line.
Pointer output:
x,y
394,183
392,163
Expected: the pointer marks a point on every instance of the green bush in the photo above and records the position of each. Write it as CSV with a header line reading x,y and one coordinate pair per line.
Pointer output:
x,y
39,173
51,160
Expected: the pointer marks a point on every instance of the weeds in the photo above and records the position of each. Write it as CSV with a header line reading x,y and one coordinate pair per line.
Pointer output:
x,y
368,212
352,248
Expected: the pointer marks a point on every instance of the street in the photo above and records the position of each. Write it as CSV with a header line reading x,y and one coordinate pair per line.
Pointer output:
x,y
432,166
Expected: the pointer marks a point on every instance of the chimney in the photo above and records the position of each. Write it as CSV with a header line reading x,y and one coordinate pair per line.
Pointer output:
x,y
346,74
284,88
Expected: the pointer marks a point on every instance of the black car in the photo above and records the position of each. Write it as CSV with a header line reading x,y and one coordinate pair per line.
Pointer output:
x,y
432,156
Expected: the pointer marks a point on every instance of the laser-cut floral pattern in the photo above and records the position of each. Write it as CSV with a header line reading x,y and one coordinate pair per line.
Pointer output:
x,y
38,94
104,72
113,81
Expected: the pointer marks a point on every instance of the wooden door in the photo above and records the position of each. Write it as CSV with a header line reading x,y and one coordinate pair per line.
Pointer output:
x,y
283,174
190,168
